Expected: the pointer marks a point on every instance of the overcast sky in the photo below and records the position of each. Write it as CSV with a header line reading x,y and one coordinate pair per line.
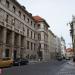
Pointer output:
x,y
56,12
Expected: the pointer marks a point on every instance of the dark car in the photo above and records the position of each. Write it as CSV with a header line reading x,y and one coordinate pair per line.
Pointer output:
x,y
59,58
20,61
16,62
24,62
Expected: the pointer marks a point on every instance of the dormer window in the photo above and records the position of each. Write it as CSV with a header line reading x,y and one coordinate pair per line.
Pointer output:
x,y
38,26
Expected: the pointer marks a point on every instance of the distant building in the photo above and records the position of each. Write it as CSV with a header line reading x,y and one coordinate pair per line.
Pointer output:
x,y
63,47
52,45
58,46
69,53
42,29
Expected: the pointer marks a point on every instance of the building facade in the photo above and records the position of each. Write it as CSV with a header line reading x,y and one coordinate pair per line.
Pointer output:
x,y
63,47
52,45
42,29
69,53
58,47
18,35
23,35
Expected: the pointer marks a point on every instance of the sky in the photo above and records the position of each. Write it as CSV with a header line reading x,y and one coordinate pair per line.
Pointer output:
x,y
57,13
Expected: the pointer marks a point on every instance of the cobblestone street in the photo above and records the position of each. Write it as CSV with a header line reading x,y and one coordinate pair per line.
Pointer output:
x,y
67,69
43,68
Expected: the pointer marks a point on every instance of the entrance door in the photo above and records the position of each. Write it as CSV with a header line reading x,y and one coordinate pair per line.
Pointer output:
x,y
15,54
7,53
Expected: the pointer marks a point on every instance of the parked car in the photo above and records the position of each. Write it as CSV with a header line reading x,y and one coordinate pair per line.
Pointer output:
x,y
59,58
16,62
67,58
20,61
6,62
24,62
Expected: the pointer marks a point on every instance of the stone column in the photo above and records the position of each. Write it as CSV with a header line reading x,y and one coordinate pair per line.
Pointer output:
x,y
19,43
12,42
4,41
23,52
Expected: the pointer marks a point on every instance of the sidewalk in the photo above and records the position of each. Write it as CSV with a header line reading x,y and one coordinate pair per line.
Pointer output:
x,y
67,69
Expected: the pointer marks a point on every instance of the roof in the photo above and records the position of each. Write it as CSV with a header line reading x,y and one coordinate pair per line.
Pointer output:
x,y
39,19
69,50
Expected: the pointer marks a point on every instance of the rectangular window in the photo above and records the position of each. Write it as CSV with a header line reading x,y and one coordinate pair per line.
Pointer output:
x,y
31,34
7,18
39,37
27,44
34,46
19,14
31,22
13,21
23,28
14,8
34,25
27,20
31,45
27,32
34,35
24,17
7,3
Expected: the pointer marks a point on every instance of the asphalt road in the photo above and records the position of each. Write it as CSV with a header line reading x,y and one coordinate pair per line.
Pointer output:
x,y
43,68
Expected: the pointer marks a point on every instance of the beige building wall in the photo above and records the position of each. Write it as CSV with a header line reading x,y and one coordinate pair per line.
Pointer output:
x,y
52,45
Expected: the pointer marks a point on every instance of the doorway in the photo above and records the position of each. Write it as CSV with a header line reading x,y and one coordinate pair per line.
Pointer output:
x,y
15,54
7,53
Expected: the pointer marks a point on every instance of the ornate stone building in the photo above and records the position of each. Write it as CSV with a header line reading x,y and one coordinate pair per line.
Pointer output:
x,y
21,34
18,35
42,29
